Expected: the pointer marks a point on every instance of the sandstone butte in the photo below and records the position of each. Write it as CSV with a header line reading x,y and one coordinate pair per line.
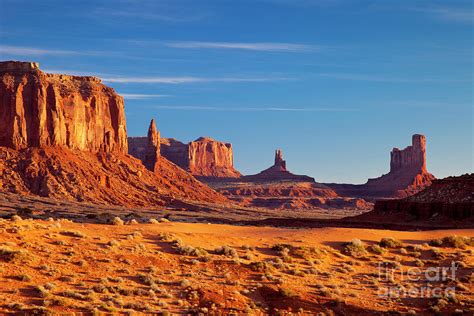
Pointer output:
x,y
277,172
65,137
408,175
203,158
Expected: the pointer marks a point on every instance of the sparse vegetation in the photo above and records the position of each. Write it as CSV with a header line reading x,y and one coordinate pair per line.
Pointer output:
x,y
226,251
390,242
117,221
354,248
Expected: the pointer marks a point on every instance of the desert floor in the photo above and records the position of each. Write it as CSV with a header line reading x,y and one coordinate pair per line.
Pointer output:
x,y
171,267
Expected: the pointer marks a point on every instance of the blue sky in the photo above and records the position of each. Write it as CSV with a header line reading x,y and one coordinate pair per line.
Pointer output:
x,y
336,84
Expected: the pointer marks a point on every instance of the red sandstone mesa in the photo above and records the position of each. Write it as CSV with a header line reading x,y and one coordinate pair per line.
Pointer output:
x,y
41,109
65,137
408,175
204,157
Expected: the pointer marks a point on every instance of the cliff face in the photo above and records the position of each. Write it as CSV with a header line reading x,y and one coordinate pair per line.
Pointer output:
x,y
54,131
40,110
411,158
210,158
408,175
204,157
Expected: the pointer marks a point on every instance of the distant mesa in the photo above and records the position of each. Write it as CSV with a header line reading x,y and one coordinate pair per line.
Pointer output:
x,y
408,175
203,158
277,172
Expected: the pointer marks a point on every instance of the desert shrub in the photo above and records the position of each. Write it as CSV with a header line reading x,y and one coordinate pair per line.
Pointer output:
x,y
54,301
390,242
259,266
49,286
226,251
99,288
117,221
113,243
457,241
16,218
41,291
75,295
281,247
10,255
66,278
296,272
436,242
286,292
377,249
132,222
23,277
306,253
354,248
73,233
191,251
166,237
164,220
185,283
153,221
146,279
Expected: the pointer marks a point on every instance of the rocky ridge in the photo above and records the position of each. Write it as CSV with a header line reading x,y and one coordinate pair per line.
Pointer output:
x,y
448,199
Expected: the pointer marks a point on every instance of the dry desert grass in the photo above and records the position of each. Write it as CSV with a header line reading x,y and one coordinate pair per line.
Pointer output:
x,y
169,267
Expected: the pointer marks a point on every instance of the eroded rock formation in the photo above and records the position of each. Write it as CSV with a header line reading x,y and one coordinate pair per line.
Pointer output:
x,y
40,110
446,199
277,172
210,158
204,157
147,149
65,137
408,175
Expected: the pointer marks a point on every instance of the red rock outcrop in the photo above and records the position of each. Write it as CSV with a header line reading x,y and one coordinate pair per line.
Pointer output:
x,y
40,110
65,137
408,175
147,149
99,178
449,199
210,158
277,172
203,158
277,188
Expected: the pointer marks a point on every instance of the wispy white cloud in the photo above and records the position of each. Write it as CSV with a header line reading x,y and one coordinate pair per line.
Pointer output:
x,y
30,51
34,51
262,46
251,109
464,15
149,15
134,96
188,79
384,78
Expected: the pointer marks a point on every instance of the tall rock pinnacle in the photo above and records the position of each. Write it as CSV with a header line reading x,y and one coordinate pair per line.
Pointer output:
x,y
279,162
152,152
